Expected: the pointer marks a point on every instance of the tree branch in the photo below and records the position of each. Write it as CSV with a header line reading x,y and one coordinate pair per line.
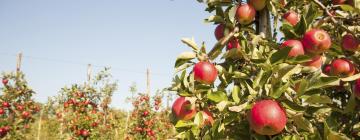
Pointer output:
x,y
332,19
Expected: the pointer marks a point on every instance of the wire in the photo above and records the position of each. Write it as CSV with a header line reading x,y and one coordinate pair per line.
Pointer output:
x,y
82,63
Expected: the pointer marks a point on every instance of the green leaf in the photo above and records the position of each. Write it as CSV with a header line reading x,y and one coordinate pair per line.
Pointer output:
x,y
301,27
323,82
239,108
183,67
182,123
293,106
318,99
298,59
217,96
351,104
303,123
235,94
184,57
286,72
331,135
279,89
280,55
214,18
221,106
351,78
346,7
191,43
199,119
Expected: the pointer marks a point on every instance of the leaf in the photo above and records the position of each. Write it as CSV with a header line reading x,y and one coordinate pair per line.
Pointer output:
x,y
182,123
239,108
286,72
214,18
199,119
301,27
351,78
191,43
347,8
298,59
221,106
323,82
331,135
293,106
184,57
217,96
279,89
318,99
183,67
351,104
280,55
232,13
303,123
235,94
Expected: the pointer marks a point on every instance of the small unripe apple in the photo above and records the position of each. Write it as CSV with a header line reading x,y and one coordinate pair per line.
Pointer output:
x,y
266,117
245,14
296,47
342,67
258,4
291,17
232,44
205,72
350,43
183,109
5,81
356,88
315,62
316,41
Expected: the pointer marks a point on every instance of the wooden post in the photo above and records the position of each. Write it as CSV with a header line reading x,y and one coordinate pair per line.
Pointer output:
x,y
40,123
88,75
148,81
127,124
18,61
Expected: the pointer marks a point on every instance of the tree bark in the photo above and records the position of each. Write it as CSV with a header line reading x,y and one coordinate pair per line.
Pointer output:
x,y
263,26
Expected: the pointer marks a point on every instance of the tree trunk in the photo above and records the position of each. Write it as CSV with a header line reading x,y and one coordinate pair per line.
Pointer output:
x,y
263,25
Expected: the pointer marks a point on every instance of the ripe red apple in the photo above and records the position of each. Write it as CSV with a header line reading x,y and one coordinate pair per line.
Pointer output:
x,y
245,14
267,117
207,117
233,43
205,72
356,88
296,47
258,4
327,69
315,62
6,104
291,17
220,31
25,114
84,133
350,43
316,41
146,113
342,67
183,109
20,107
5,81
2,111
338,2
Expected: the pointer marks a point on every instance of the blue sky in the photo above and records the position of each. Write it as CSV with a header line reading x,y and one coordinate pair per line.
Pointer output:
x,y
58,38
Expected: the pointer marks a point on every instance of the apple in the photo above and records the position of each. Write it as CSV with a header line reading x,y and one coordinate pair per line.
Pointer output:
x,y
220,31
258,4
266,117
245,14
6,104
338,2
356,88
342,67
315,62
5,81
207,118
146,113
327,69
183,109
25,114
20,107
316,41
2,111
296,47
205,72
84,133
233,43
350,43
291,17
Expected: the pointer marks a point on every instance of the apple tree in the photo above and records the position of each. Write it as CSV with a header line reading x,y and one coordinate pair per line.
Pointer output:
x,y
280,69
17,106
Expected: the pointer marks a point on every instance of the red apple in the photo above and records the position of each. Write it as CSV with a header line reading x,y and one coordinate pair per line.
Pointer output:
x,y
316,41
296,47
315,62
267,117
146,113
183,109
5,81
327,69
245,14
258,4
84,133
220,31
207,117
25,114
357,88
205,72
338,2
291,17
350,43
20,107
2,111
233,43
342,68
6,104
